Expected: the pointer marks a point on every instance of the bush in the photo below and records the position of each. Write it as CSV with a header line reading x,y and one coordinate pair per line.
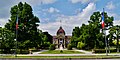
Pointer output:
x,y
52,47
13,52
103,50
24,52
46,45
61,51
80,45
69,47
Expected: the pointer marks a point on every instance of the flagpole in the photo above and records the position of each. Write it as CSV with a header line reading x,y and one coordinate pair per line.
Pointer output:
x,y
105,36
16,43
16,36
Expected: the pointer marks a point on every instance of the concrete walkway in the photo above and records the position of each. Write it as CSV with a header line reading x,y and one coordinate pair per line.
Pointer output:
x,y
87,53
69,55
37,53
83,51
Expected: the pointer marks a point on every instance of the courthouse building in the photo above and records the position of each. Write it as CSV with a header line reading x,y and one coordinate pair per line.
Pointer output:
x,y
61,38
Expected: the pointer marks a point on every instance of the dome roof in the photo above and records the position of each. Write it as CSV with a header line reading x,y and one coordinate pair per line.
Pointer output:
x,y
60,31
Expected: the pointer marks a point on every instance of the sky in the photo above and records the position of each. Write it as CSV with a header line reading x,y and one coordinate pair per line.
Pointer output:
x,y
71,13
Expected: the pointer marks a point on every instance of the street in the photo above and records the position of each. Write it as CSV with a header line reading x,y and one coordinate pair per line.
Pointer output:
x,y
53,59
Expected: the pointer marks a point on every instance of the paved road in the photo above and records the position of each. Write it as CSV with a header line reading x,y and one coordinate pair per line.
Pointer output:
x,y
54,59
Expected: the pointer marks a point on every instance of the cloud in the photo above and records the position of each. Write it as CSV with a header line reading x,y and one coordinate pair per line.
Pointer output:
x,y
51,10
38,2
82,1
110,5
116,16
116,22
3,21
69,22
5,6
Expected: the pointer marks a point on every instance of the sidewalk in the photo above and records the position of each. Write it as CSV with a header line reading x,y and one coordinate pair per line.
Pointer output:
x,y
86,52
70,55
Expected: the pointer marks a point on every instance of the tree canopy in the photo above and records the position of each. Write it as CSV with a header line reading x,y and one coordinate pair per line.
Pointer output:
x,y
91,34
28,34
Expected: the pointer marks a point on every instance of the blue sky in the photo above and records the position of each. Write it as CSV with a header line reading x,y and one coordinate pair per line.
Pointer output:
x,y
71,12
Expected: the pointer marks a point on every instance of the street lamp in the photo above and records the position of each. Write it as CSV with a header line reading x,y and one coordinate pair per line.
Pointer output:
x,y
104,31
108,45
15,47
0,41
1,37
117,39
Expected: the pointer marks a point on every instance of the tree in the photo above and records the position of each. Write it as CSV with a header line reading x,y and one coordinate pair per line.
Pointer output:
x,y
7,41
27,30
49,37
90,34
114,34
75,35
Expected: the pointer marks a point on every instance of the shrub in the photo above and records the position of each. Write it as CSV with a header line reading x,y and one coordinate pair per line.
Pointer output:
x,y
46,45
61,51
52,47
103,50
69,47
80,45
13,52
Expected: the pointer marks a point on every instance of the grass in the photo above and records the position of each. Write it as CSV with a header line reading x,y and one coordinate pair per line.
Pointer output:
x,y
88,57
63,52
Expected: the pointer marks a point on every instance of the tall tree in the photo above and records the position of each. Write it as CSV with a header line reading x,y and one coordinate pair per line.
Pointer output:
x,y
90,34
27,27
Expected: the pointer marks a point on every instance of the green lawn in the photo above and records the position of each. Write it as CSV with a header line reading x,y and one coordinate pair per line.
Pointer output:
x,y
64,52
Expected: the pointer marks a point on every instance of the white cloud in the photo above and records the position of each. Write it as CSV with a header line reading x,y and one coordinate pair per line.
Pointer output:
x,y
51,10
3,21
82,1
116,22
37,2
69,22
116,16
110,5
5,6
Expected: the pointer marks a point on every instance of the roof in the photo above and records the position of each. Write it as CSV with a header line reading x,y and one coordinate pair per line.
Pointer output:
x,y
60,31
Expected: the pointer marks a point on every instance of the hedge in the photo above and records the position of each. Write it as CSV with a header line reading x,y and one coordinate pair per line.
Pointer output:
x,y
103,50
52,47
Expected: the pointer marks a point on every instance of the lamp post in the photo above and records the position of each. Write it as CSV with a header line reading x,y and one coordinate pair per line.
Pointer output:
x,y
104,31
117,39
15,47
1,38
108,45
0,42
